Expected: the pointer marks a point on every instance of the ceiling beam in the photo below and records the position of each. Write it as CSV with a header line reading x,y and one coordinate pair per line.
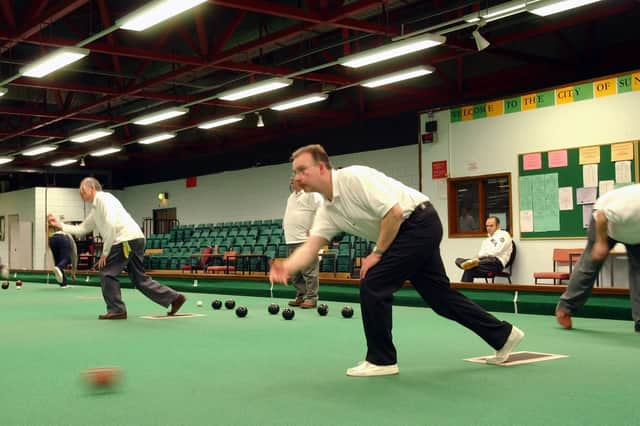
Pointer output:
x,y
31,28
339,19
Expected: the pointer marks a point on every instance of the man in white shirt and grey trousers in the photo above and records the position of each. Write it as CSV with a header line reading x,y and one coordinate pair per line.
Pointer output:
x,y
123,246
616,219
298,218
407,231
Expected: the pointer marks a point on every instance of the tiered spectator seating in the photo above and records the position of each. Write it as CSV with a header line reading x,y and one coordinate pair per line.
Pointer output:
x,y
184,245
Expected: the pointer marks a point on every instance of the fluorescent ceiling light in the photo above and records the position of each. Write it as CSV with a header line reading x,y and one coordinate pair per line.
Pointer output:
x,y
220,122
304,100
495,11
64,162
154,13
165,114
3,91
392,50
398,76
156,138
53,61
546,8
5,160
105,151
91,135
39,150
255,89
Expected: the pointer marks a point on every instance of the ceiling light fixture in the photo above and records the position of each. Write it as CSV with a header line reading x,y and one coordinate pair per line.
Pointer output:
x,y
162,115
304,100
53,61
255,89
5,160
398,76
549,7
220,122
156,138
392,50
3,91
91,135
39,150
154,13
103,152
82,163
260,122
481,42
64,162
510,8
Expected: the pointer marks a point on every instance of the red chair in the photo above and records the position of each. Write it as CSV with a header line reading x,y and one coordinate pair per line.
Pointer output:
x,y
560,256
229,260
202,262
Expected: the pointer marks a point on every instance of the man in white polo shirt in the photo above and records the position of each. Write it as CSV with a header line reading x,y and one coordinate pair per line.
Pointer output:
x,y
616,219
493,256
407,231
123,247
298,218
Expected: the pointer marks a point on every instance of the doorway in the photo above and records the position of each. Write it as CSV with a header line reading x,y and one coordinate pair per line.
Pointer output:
x,y
20,243
164,220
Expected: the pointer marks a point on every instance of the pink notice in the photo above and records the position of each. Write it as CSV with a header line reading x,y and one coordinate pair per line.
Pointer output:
x,y
557,158
532,161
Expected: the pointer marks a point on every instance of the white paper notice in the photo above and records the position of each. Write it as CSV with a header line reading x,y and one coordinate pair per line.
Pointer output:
x,y
565,198
604,186
623,171
587,211
442,188
590,175
586,195
526,221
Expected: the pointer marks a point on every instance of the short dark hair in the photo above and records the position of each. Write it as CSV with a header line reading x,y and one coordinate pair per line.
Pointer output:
x,y
496,219
317,152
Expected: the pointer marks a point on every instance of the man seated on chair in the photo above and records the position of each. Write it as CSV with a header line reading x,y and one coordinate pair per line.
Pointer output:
x,y
493,256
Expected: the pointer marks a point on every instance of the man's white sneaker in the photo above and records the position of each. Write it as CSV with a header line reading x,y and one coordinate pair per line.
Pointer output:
x,y
502,355
58,273
366,369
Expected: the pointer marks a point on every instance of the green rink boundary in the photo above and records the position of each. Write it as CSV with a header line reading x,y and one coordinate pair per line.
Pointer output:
x,y
503,299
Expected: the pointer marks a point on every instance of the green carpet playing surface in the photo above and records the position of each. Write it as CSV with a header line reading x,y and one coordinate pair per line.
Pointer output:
x,y
263,370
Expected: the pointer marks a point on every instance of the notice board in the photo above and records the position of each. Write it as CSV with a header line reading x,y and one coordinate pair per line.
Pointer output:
x,y
558,187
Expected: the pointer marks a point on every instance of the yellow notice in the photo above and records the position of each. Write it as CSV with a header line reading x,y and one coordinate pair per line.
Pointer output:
x,y
589,155
635,81
495,108
564,95
467,113
622,151
604,87
528,102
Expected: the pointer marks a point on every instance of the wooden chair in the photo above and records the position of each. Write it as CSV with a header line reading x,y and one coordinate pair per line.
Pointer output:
x,y
560,256
506,272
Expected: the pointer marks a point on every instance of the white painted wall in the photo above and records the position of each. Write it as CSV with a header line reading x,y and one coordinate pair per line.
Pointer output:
x,y
256,193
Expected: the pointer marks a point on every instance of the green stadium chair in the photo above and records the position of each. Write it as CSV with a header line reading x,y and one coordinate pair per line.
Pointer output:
x,y
283,251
